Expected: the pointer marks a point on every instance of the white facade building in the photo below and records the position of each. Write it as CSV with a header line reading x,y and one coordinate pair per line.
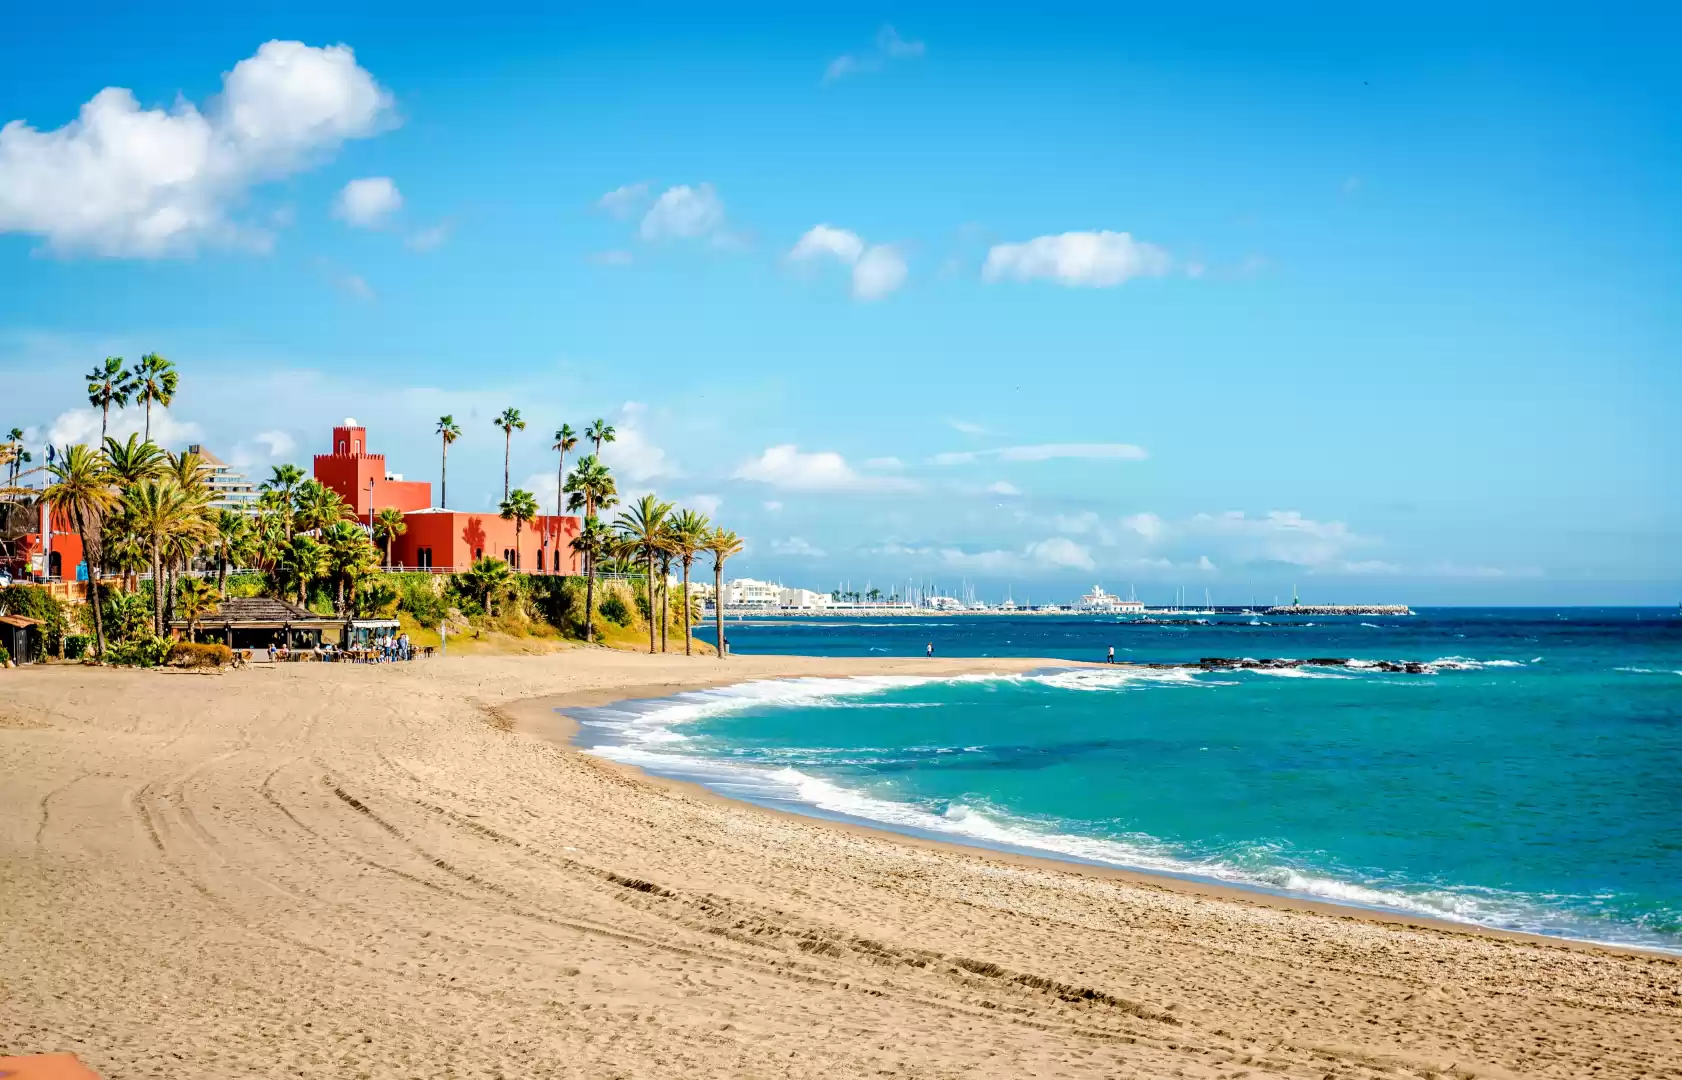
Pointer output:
x,y
802,599
747,592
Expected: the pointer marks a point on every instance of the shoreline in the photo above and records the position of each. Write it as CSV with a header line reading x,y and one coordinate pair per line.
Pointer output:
x,y
548,718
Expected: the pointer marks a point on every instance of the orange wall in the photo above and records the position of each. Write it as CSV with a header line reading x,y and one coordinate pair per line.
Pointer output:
x,y
67,545
457,538
349,474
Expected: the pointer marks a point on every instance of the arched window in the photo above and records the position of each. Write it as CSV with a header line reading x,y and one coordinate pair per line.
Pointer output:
x,y
341,446
55,565
540,560
356,446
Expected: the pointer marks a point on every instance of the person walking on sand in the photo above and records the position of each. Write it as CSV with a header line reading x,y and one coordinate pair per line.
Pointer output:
x,y
931,650
1111,660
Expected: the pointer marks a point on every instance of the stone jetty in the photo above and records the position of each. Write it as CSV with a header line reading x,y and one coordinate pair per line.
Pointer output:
x,y
1339,609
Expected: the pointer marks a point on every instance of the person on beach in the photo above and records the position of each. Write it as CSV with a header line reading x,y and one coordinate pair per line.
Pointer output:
x,y
1111,659
931,650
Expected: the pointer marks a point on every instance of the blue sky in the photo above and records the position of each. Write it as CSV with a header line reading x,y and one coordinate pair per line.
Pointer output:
x,y
1383,308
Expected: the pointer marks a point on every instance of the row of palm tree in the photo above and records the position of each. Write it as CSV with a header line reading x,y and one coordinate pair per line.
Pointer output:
x,y
152,380
508,422
139,507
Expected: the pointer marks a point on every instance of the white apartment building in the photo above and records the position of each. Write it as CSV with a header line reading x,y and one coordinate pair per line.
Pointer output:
x,y
747,592
802,599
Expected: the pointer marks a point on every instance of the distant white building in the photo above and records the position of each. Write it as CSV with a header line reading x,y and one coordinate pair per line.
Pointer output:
x,y
747,592
802,599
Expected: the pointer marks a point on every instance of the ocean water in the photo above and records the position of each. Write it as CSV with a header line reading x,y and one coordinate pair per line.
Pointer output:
x,y
1531,780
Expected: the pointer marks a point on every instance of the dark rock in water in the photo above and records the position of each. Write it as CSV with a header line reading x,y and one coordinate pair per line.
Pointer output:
x,y
1415,668
1328,661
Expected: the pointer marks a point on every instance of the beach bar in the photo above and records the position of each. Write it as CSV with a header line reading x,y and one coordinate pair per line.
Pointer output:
x,y
257,622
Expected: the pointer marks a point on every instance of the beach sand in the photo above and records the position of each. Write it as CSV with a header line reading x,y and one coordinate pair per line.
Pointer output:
x,y
401,871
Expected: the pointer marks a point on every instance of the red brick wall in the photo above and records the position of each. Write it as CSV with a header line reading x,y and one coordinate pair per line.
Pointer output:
x,y
456,538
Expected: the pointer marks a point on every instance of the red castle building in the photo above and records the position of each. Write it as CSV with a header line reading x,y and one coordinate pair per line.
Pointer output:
x,y
436,538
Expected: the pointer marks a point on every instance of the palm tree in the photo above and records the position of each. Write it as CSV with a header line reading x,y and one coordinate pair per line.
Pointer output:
x,y
109,384
158,511
666,554
155,379
15,455
301,560
591,541
720,544
642,527
234,542
195,599
82,488
520,506
688,531
486,579
388,526
565,440
283,483
448,431
509,422
134,462
599,432
351,556
316,506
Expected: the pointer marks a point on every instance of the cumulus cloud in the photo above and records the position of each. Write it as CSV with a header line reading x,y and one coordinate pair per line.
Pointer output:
x,y
624,202
1091,259
368,202
797,547
124,181
1146,525
791,469
277,443
634,455
1059,552
1279,536
1003,487
1046,452
1056,553
704,504
82,426
772,506
683,212
887,46
877,270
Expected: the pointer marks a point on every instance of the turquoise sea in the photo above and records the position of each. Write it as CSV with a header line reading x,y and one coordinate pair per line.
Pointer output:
x,y
1530,779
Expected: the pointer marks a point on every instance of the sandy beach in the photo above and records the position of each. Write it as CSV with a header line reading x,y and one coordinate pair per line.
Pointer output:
x,y
403,871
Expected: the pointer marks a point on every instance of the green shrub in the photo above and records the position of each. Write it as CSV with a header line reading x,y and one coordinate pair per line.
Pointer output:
x,y
613,609
140,652
36,602
376,600
5,657
128,616
418,596
77,645
188,654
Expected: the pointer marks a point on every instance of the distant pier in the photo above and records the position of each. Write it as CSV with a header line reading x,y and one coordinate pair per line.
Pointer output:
x,y
1340,609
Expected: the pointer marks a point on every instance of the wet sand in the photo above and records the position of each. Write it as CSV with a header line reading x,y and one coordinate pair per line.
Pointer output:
x,y
399,871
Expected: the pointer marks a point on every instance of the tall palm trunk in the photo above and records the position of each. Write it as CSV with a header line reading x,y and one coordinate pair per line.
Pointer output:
x,y
104,418
651,601
507,449
560,482
516,543
443,474
589,605
148,437
222,571
157,588
687,639
93,587
718,608
665,603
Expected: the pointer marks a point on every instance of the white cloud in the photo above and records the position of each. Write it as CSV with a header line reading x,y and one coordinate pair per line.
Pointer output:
x,y
368,202
1146,525
965,427
683,212
877,270
1003,487
1059,552
1204,564
1366,566
787,467
120,180
429,238
82,426
278,443
624,202
884,463
797,547
1281,536
772,506
888,46
1095,259
704,504
1046,452
632,454
828,240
